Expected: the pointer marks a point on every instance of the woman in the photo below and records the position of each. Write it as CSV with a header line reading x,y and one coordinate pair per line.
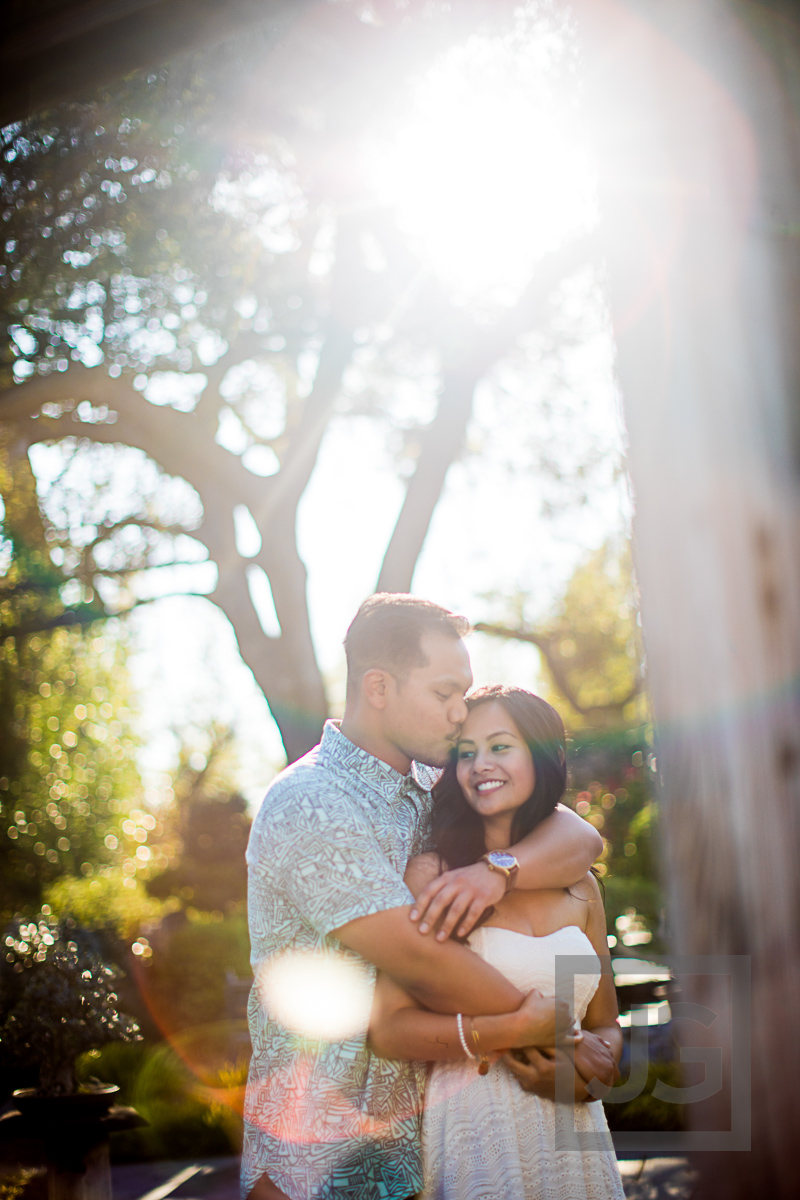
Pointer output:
x,y
484,1137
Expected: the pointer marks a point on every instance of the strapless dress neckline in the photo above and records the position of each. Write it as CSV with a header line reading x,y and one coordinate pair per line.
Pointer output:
x,y
536,937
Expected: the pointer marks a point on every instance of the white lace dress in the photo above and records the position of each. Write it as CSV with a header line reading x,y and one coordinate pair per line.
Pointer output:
x,y
486,1139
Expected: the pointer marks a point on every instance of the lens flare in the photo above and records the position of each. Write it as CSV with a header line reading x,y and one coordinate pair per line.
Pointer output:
x,y
489,168
317,995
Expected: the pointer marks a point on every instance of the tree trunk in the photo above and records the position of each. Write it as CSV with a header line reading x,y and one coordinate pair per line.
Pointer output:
x,y
701,207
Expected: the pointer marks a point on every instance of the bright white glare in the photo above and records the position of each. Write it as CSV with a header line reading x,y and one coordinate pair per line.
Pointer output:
x,y
489,170
317,996
646,1014
263,602
174,388
261,460
248,539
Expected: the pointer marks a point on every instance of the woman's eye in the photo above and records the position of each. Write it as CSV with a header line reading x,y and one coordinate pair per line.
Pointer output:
x,y
499,746
462,754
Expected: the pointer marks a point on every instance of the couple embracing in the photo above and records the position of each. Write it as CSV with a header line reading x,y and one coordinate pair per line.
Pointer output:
x,y
422,847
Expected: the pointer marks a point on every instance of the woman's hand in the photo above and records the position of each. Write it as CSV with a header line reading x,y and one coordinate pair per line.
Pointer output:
x,y
594,1060
539,1071
460,895
544,1021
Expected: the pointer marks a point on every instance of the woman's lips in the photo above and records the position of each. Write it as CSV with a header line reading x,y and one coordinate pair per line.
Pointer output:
x,y
489,785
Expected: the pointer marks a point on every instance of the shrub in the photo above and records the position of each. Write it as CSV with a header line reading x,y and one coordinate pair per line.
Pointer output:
x,y
110,901
185,1119
646,1112
185,981
59,1000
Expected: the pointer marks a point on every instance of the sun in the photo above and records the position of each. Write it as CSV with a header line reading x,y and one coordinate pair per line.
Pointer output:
x,y
489,167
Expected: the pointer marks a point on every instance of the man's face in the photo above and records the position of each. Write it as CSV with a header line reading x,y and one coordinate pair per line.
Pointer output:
x,y
425,710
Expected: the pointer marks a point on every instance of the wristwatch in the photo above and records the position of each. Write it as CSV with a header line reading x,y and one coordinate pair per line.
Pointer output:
x,y
505,863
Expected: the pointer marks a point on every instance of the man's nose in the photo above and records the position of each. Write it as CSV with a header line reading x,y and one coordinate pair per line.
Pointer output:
x,y
458,713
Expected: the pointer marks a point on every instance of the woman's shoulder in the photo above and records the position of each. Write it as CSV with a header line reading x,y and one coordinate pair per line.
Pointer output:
x,y
587,889
554,908
587,892
421,870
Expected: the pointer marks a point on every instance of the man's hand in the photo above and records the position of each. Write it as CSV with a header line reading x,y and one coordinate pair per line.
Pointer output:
x,y
539,1072
594,1060
461,895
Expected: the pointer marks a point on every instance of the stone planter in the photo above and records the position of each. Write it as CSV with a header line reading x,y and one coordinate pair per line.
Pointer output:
x,y
81,1106
69,1135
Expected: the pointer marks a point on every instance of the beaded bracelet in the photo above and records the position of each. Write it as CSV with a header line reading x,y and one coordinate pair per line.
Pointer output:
x,y
461,1038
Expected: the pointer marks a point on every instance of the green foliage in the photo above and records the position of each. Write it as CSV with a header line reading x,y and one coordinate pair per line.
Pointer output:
x,y
592,657
185,979
646,1112
612,789
16,1182
107,901
59,1000
31,585
593,650
68,776
184,1119
105,208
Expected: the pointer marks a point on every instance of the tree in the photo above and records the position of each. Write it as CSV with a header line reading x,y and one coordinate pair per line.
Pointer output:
x,y
69,788
209,826
700,195
591,644
592,656
248,256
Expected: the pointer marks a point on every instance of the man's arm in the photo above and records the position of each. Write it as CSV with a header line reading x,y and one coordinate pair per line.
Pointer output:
x,y
556,854
446,978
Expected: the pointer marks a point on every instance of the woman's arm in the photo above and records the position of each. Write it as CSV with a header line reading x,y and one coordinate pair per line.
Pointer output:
x,y
556,854
401,1029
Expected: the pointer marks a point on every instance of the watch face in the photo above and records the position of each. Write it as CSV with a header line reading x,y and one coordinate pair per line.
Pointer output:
x,y
501,859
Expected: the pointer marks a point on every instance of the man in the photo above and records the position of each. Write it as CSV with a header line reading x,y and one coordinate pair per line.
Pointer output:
x,y
328,905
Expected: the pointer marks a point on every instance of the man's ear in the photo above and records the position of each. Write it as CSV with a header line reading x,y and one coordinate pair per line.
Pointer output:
x,y
375,686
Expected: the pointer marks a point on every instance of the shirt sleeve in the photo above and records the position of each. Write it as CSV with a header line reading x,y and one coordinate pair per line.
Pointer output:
x,y
319,851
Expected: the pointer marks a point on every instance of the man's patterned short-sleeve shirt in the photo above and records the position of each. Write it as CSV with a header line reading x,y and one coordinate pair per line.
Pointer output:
x,y
323,1117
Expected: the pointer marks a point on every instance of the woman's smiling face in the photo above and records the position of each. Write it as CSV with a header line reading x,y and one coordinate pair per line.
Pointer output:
x,y
494,769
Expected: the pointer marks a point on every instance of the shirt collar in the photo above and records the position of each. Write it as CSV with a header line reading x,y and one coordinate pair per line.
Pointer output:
x,y
338,751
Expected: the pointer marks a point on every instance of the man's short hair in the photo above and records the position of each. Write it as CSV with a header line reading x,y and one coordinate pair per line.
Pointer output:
x,y
387,632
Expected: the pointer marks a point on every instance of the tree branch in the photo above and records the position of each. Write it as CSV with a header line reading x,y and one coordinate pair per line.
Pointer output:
x,y
555,667
441,444
467,353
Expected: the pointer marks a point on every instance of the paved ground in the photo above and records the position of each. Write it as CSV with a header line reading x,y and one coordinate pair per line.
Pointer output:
x,y
657,1179
218,1179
